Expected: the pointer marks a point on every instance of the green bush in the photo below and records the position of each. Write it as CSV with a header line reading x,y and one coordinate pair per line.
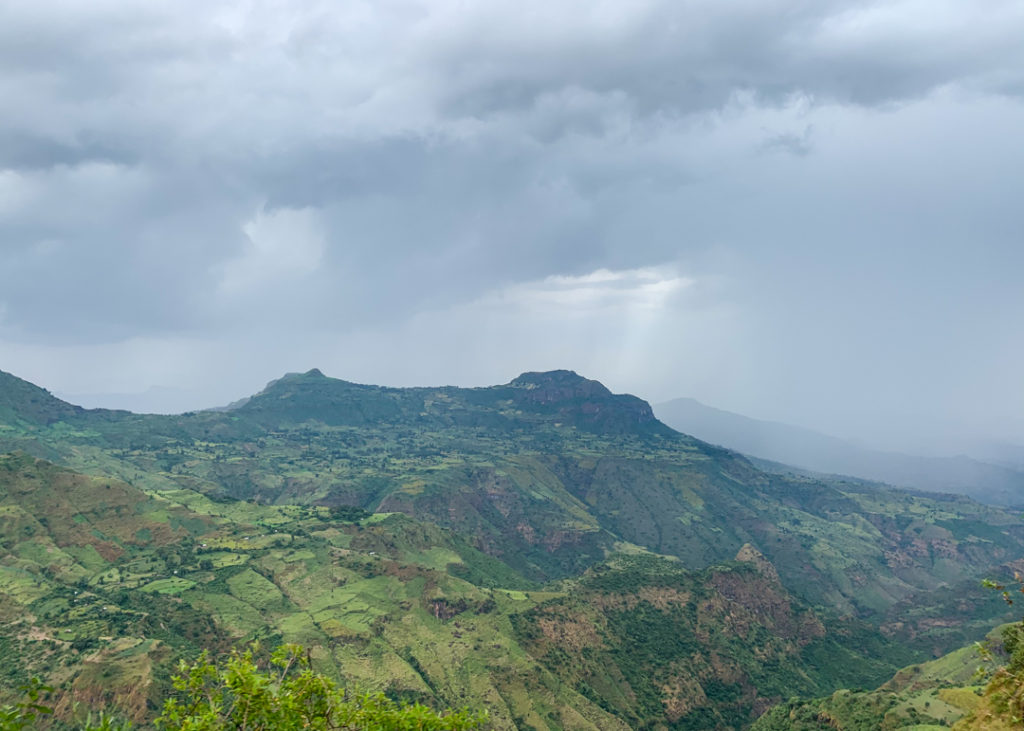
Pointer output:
x,y
286,694
246,694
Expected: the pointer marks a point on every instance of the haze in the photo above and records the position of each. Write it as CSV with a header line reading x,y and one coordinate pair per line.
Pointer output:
x,y
808,212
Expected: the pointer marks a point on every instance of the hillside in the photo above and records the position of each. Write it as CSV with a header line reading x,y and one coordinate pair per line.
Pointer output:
x,y
505,520
931,695
24,405
654,642
111,586
997,484
548,473
977,687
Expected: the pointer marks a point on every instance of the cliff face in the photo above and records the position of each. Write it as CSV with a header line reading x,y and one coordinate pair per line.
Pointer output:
x,y
554,386
582,402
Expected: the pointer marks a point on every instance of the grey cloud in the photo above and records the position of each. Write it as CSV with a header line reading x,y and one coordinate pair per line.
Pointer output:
x,y
791,142
23,150
430,155
110,251
692,56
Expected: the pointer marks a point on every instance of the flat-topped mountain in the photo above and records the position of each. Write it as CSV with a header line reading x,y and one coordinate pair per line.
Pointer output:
x,y
562,397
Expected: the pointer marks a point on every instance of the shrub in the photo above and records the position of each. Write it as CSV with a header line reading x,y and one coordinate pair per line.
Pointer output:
x,y
285,694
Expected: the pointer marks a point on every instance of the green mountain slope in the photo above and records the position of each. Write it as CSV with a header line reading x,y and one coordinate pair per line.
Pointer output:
x,y
665,647
73,548
110,585
545,479
25,405
547,473
929,695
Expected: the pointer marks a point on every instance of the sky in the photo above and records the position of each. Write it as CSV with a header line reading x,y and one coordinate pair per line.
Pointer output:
x,y
801,210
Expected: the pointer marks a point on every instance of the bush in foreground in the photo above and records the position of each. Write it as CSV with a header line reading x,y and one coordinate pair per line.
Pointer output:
x,y
245,694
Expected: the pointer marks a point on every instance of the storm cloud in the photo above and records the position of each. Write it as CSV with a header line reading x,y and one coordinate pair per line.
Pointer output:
x,y
806,211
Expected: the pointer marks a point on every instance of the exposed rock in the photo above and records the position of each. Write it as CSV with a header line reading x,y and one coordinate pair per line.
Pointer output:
x,y
749,554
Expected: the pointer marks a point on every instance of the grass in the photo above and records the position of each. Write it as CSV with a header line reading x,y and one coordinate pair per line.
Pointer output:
x,y
225,559
238,618
172,585
255,590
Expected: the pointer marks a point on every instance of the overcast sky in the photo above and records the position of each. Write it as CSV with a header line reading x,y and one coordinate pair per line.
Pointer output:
x,y
804,210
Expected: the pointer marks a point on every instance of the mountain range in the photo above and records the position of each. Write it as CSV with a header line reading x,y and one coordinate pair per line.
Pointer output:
x,y
792,446
544,549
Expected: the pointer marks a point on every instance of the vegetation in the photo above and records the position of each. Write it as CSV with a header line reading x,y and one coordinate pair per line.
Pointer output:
x,y
949,692
243,694
548,474
285,694
1002,703
658,644
930,695
544,551
25,713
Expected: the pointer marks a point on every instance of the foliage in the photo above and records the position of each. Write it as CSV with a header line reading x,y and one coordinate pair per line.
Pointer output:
x,y
939,693
349,513
24,713
245,694
286,694
31,710
1003,700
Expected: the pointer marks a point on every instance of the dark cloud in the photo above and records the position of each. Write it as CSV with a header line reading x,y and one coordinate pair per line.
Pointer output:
x,y
23,150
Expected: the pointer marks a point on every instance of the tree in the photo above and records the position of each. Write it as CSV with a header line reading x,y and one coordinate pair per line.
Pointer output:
x,y
286,694
1002,705
245,694
23,715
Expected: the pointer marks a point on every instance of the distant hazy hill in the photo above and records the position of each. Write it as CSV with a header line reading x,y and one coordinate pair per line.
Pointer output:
x,y
810,450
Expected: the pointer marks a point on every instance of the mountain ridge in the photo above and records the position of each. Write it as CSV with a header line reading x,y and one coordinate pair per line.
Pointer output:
x,y
28,403
811,450
559,393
